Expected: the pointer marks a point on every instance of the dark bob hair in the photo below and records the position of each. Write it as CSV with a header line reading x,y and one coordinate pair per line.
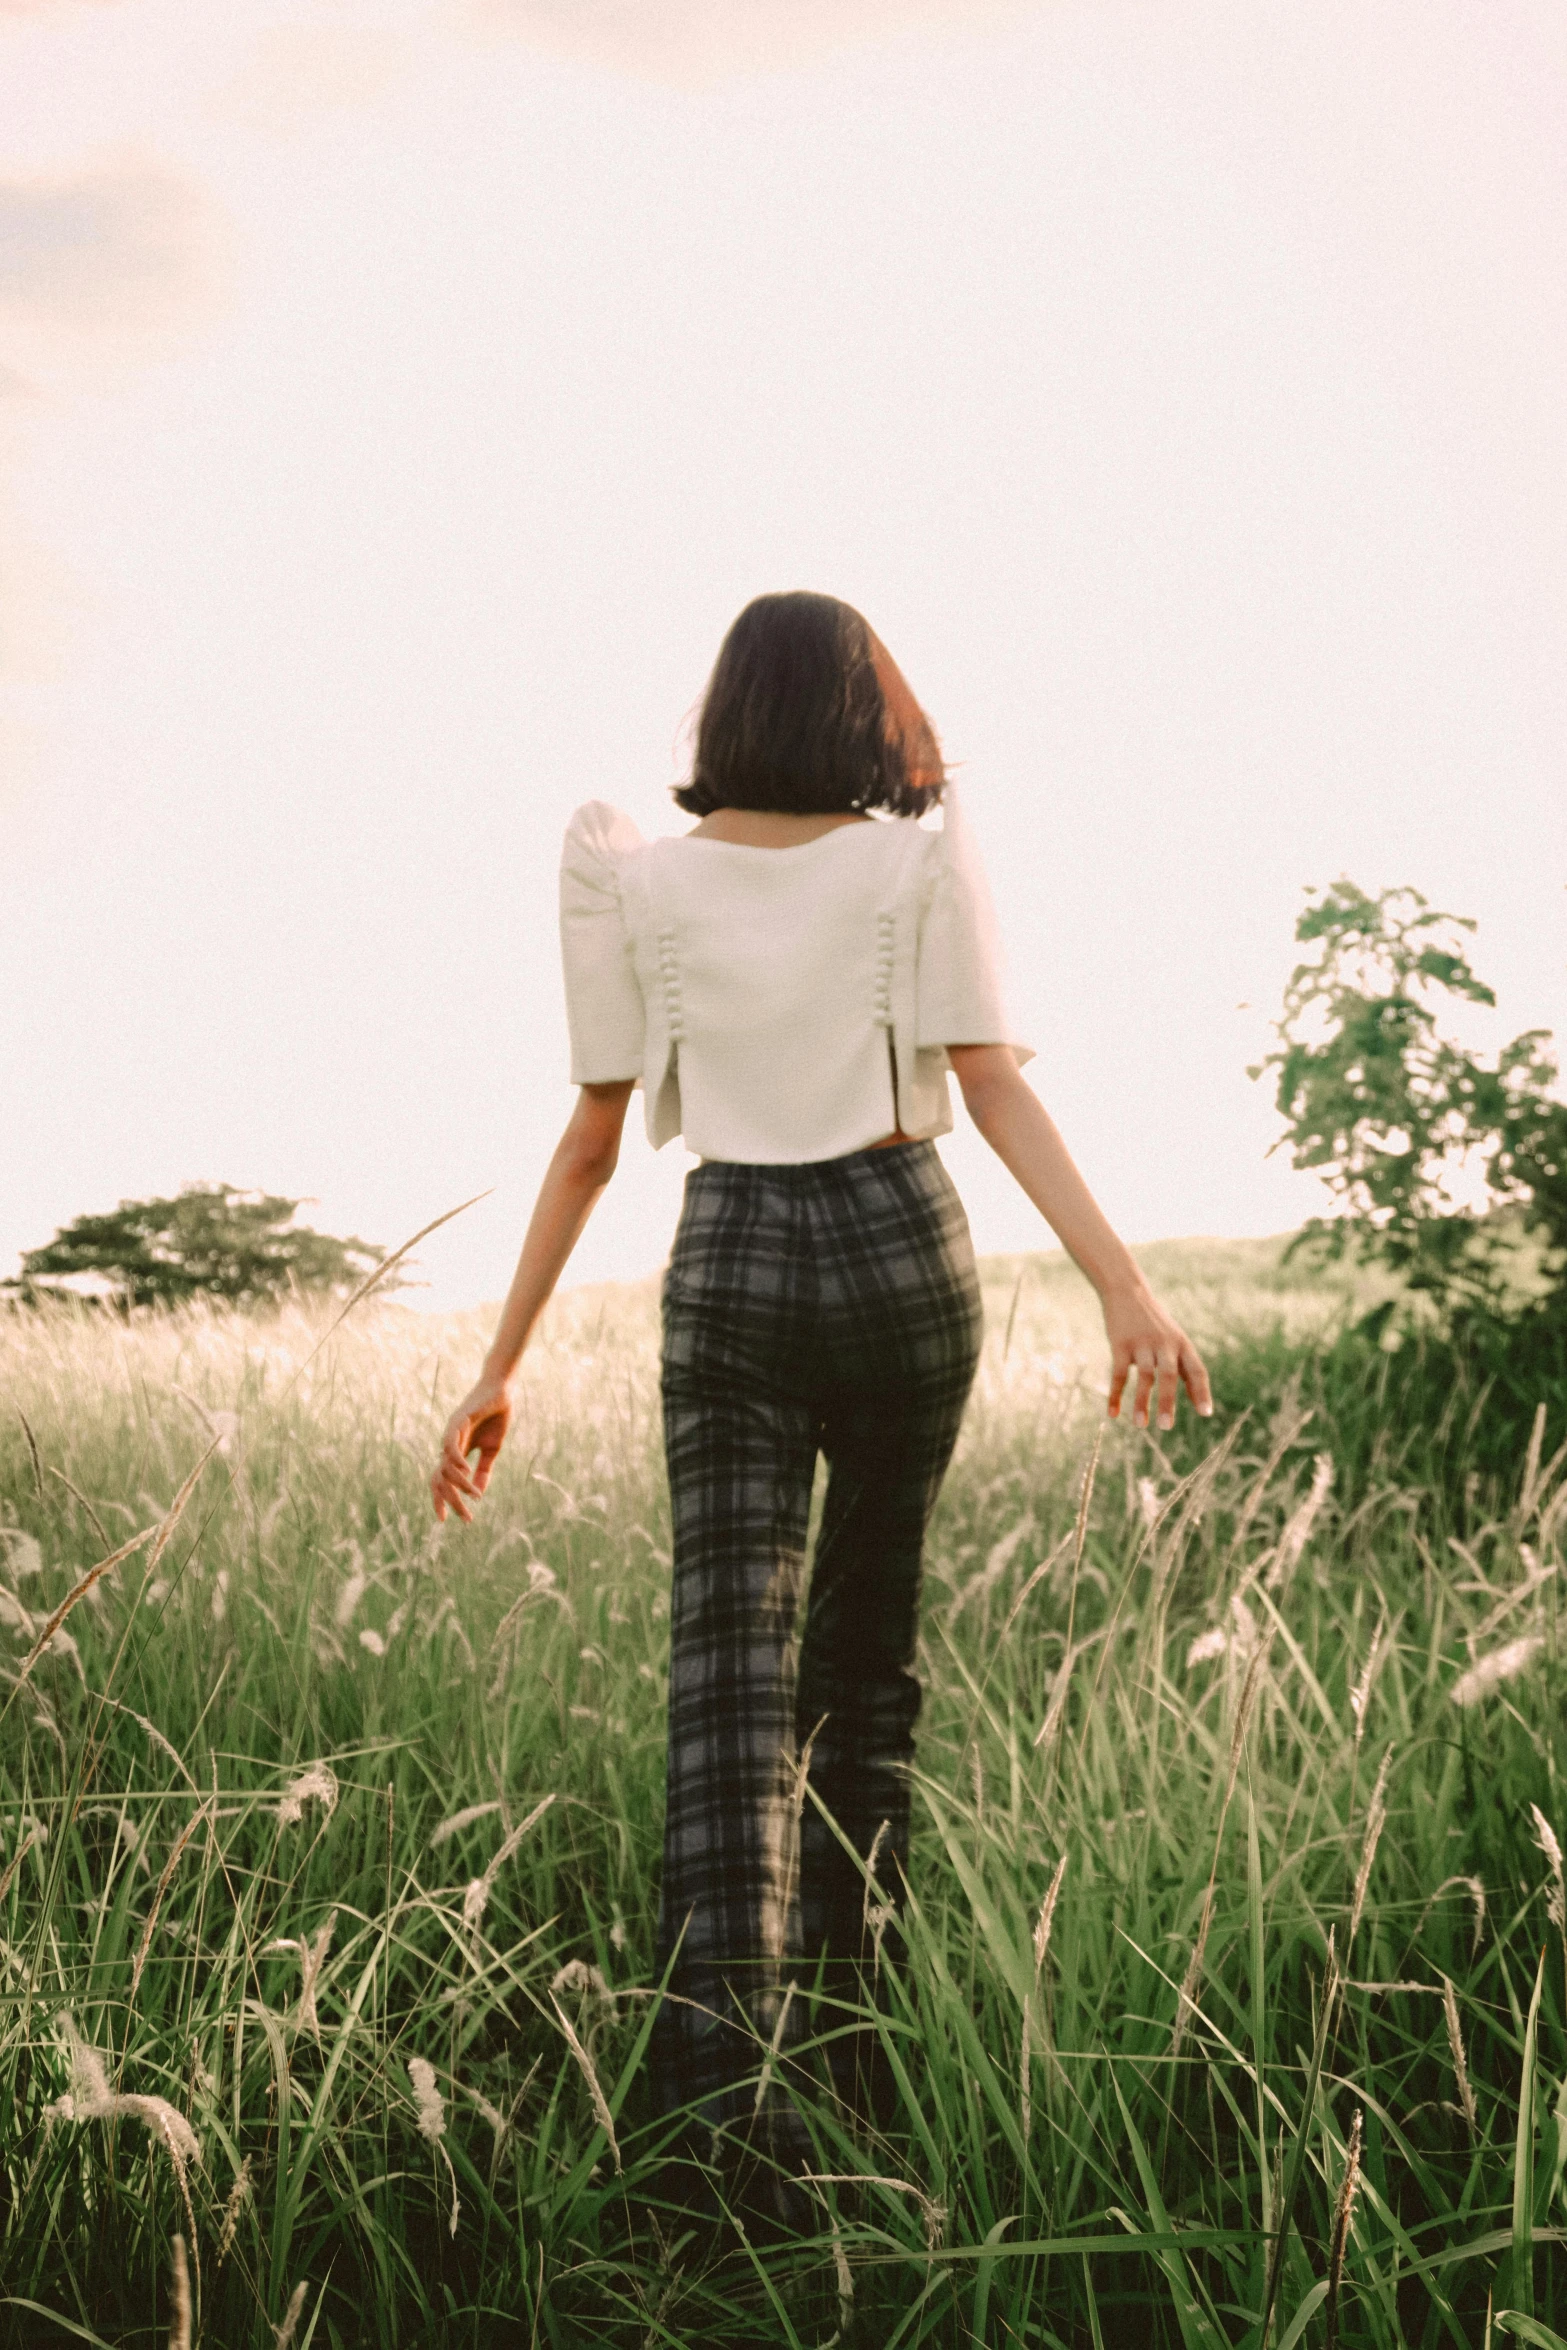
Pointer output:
x,y
807,714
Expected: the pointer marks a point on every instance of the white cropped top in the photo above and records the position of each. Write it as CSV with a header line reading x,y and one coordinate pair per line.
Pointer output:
x,y
778,1005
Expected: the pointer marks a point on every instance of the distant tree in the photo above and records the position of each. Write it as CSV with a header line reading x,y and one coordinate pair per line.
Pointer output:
x,y
212,1241
1399,1120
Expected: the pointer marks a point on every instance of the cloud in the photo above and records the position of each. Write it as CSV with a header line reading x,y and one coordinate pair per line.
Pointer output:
x,y
705,40
99,269
107,261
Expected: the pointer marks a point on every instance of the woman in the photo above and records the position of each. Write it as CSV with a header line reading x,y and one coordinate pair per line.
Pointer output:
x,y
790,982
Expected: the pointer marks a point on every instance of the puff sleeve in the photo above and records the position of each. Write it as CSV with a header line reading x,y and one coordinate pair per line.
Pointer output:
x,y
604,1011
958,991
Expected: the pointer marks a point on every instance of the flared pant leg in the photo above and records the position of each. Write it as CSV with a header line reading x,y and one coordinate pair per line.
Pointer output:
x,y
741,1463
858,1695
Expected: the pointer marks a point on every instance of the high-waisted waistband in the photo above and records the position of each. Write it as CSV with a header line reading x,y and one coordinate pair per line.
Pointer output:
x,y
873,1158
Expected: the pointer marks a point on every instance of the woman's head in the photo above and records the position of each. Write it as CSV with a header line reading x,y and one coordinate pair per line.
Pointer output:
x,y
807,712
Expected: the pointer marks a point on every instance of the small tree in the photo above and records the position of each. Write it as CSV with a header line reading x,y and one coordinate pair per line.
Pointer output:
x,y
212,1241
1398,1119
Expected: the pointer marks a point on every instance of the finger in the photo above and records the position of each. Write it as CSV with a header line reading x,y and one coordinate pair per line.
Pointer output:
x,y
1145,1378
448,1496
459,1438
460,1506
1169,1364
454,1468
1195,1374
1120,1366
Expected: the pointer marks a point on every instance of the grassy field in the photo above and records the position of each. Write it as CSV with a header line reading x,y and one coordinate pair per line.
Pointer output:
x,y
1238,1976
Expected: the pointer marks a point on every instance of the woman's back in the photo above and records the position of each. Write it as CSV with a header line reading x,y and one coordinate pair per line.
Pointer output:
x,y
780,1004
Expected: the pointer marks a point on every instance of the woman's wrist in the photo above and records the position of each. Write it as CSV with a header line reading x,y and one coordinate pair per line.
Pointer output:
x,y
1122,1285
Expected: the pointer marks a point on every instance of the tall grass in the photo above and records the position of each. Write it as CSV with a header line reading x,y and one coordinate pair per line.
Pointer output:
x,y
1237,1973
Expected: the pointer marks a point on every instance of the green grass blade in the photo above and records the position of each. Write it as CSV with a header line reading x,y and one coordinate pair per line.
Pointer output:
x,y
1521,2283
1197,2331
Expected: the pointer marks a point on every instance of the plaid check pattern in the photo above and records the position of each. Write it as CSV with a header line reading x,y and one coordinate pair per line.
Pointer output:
x,y
831,1307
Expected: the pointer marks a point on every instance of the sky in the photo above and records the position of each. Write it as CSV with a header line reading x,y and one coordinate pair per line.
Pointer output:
x,y
398,398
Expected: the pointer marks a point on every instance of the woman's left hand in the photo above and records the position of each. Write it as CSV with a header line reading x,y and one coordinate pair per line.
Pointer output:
x,y
1144,1339
479,1424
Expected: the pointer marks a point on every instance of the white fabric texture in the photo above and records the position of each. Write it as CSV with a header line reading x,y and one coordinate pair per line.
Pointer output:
x,y
779,1005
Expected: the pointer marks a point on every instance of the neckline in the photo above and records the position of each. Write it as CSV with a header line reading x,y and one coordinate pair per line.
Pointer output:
x,y
756,848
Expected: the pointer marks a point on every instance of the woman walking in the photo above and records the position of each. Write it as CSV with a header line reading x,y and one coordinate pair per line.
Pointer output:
x,y
790,983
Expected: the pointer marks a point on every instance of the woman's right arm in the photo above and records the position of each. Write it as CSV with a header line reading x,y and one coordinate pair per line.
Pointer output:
x,y
584,1160
1143,1338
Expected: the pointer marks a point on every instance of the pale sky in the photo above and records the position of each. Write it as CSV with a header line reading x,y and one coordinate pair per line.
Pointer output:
x,y
399,398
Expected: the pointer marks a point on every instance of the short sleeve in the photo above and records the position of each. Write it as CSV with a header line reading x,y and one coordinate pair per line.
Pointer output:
x,y
603,998
958,990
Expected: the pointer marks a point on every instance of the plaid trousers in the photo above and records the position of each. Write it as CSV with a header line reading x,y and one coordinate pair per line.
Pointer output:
x,y
831,1307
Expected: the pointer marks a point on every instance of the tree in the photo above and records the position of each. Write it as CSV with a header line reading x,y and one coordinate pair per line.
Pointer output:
x,y
1399,1120
212,1241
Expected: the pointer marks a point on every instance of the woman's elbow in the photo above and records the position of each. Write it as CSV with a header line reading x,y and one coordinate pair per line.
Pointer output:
x,y
590,1164
590,1147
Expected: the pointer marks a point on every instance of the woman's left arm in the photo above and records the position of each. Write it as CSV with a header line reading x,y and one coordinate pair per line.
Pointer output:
x,y
585,1159
1145,1341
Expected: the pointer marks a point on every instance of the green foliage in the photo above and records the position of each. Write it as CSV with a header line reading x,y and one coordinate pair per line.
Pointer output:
x,y
1397,1118
1443,1414
212,1241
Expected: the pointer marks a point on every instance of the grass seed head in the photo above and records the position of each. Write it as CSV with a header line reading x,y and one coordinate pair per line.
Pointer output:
x,y
312,1957
317,1784
476,1900
430,2114
1503,1664
1455,2042
429,2104
32,1833
585,1981
179,2297
1360,1695
883,1831
1556,1898
933,2215
600,2103
283,2335
90,2098
1376,1818
1343,2215
1047,1916
238,2197
1298,1532
1191,1981
77,1593
463,1819
348,1599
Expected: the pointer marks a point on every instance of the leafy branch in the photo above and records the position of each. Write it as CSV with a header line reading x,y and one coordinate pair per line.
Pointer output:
x,y
1405,1125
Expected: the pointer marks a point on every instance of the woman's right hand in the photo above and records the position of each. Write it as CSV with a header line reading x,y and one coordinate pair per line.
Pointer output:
x,y
479,1424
